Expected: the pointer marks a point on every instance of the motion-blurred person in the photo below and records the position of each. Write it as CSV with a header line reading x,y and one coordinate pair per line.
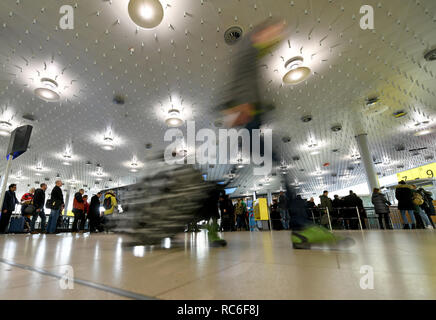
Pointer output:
x,y
311,209
284,210
227,217
57,205
299,211
240,210
94,213
110,207
27,208
381,207
78,210
38,202
244,107
338,214
403,193
418,201
9,203
276,219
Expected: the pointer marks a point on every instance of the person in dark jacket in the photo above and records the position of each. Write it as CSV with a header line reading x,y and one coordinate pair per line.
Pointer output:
x,y
227,217
57,198
428,205
403,193
275,216
326,204
94,213
78,210
353,203
299,212
8,207
39,202
419,212
381,207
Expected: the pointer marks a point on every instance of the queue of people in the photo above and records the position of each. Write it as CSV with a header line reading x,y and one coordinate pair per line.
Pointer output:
x,y
34,203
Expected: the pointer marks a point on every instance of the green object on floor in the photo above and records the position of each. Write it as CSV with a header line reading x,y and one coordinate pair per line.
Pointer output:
x,y
313,234
213,231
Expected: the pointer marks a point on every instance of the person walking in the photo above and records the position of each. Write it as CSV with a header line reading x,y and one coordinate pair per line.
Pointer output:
x,y
381,208
38,202
57,205
283,208
326,204
78,211
403,193
9,203
428,205
240,210
94,213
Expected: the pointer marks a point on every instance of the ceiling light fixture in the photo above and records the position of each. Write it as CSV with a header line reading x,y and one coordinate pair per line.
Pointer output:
x,y
5,128
297,73
108,141
147,14
423,132
174,120
134,165
48,91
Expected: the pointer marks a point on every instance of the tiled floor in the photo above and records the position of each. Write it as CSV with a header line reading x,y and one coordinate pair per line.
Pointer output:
x,y
257,265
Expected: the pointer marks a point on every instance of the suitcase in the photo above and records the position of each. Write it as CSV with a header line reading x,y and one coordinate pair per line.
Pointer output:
x,y
17,225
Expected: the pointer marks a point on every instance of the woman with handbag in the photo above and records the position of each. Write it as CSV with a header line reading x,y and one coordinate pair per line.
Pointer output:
x,y
27,208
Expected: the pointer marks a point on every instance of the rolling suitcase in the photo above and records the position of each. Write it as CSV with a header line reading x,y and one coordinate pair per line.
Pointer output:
x,y
16,225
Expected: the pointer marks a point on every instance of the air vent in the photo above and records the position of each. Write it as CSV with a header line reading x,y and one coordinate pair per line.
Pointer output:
x,y
211,166
400,147
431,55
334,174
350,168
306,118
88,163
372,101
418,149
286,139
429,157
46,179
335,150
296,158
37,182
118,99
336,128
148,146
97,182
400,166
301,170
399,114
29,117
232,35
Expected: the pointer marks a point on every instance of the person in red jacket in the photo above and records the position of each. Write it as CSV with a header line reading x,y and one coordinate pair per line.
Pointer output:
x,y
26,201
78,210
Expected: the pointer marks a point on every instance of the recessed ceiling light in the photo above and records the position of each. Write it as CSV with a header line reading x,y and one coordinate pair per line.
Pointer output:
x,y
147,14
174,119
5,128
108,143
314,153
66,163
297,73
48,91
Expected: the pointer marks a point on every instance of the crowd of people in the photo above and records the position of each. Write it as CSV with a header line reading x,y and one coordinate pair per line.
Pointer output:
x,y
34,203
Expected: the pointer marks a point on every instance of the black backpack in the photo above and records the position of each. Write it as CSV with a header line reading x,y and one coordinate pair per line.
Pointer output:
x,y
107,203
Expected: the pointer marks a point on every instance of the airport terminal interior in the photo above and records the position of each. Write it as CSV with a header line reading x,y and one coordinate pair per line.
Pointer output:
x,y
131,132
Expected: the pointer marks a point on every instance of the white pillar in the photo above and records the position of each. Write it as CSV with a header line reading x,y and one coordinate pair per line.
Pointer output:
x,y
368,163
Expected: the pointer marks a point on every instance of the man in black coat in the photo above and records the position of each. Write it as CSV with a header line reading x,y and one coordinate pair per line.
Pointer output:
x,y
8,207
57,198
404,195
39,202
351,202
94,213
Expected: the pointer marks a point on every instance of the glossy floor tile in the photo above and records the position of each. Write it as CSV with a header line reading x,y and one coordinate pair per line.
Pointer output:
x,y
254,265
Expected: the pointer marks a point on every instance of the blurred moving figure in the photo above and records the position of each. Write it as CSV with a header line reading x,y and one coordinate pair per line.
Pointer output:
x,y
427,205
110,206
283,209
240,210
94,213
276,220
38,202
381,207
418,201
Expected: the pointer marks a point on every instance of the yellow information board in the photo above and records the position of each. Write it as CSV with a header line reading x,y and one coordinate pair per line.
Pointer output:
x,y
424,172
261,209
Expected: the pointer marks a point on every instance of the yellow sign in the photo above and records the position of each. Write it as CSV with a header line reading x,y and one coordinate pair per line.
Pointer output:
x,y
424,172
261,209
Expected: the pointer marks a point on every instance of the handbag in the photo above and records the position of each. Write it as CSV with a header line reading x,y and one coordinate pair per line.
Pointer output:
x,y
30,209
52,204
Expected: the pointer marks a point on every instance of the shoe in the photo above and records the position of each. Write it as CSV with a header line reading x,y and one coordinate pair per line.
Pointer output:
x,y
312,235
430,227
406,227
218,243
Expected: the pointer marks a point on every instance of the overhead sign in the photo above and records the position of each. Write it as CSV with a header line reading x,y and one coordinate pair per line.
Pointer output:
x,y
424,172
19,141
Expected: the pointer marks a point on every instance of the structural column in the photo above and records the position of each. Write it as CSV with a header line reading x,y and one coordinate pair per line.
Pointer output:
x,y
67,200
368,163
